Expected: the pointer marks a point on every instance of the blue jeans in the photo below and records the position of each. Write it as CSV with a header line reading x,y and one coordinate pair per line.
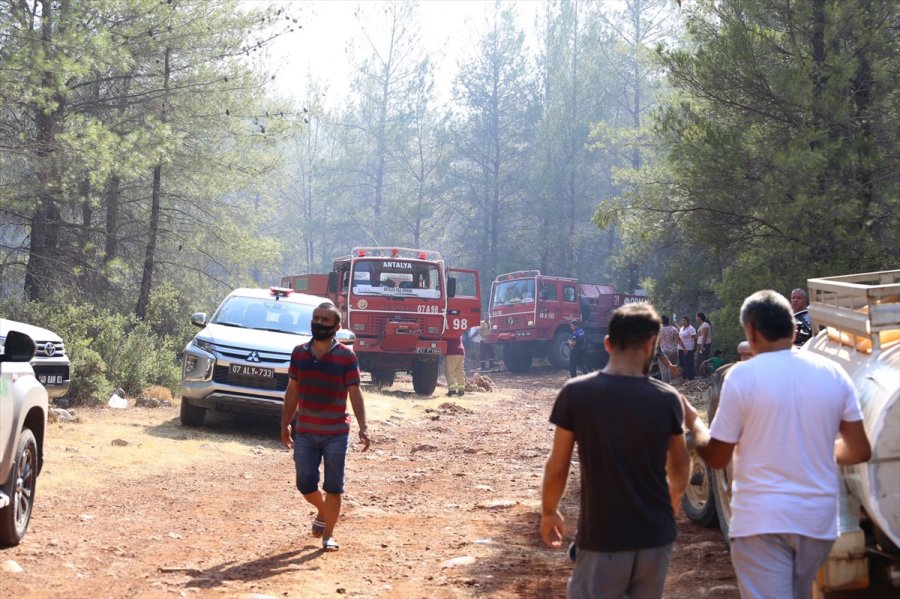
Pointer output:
x,y
310,450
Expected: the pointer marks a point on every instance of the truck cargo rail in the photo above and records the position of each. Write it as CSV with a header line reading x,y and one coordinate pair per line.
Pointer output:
x,y
860,310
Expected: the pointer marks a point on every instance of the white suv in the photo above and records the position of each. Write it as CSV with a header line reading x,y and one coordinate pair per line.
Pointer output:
x,y
52,366
23,420
240,360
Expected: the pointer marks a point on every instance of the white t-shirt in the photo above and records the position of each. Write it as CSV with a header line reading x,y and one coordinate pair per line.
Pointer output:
x,y
704,327
783,410
687,335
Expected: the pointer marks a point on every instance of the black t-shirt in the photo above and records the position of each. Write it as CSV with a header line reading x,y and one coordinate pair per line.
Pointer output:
x,y
622,426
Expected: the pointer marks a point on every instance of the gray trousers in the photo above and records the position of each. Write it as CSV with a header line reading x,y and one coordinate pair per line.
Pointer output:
x,y
638,574
777,566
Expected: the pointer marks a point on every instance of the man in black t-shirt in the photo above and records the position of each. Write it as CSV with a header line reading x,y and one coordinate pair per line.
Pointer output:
x,y
634,465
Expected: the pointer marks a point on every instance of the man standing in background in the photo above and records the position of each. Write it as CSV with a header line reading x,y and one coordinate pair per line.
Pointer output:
x,y
800,306
577,349
454,367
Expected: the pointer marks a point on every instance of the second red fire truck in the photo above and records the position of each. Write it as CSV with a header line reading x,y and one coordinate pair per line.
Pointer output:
x,y
530,315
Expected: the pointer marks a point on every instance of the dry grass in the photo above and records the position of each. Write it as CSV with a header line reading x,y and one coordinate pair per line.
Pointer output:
x,y
82,454
159,392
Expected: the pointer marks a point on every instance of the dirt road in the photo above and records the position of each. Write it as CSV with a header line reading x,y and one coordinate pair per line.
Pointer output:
x,y
446,504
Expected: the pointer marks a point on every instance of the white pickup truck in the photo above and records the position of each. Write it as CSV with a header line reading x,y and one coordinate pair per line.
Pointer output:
x,y
23,420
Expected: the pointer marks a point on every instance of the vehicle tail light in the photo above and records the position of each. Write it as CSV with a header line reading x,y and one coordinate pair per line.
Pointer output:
x,y
531,323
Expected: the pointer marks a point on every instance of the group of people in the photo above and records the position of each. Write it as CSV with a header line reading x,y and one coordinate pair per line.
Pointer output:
x,y
688,347
628,428
629,431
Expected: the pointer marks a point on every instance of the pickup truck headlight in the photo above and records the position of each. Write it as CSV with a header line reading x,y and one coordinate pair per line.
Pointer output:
x,y
204,345
197,366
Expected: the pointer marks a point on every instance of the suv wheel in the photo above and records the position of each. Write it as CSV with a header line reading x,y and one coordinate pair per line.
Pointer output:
x,y
14,518
191,415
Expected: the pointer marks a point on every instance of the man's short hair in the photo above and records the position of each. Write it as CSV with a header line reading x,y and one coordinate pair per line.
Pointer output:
x,y
802,291
575,322
632,325
770,313
333,309
665,320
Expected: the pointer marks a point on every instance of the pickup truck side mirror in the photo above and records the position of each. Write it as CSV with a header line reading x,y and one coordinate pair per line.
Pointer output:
x,y
18,347
198,319
451,286
332,282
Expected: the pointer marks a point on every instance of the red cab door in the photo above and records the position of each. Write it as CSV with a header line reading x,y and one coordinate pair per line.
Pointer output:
x,y
464,308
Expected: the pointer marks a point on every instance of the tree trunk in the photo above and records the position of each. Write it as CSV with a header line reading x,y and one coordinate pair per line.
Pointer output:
x,y
143,302
46,218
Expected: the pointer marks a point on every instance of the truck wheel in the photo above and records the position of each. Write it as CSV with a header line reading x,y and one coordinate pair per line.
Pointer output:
x,y
20,489
425,376
720,479
721,482
517,358
191,415
559,350
699,503
383,378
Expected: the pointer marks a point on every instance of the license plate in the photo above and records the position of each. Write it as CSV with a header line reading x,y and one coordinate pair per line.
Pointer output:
x,y
428,350
55,379
245,370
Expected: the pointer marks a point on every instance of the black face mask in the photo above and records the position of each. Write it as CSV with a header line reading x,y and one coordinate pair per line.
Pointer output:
x,y
321,332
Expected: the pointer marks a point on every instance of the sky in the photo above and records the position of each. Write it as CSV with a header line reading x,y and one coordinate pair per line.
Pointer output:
x,y
448,31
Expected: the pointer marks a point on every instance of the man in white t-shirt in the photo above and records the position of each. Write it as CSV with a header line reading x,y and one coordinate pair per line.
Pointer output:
x,y
779,415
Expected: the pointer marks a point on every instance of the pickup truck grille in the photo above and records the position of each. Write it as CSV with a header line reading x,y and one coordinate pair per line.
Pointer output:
x,y
222,375
51,372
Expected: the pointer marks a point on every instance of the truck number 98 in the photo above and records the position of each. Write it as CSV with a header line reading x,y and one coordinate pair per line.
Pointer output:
x,y
460,323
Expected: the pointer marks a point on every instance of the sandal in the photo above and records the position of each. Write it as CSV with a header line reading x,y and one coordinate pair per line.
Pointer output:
x,y
318,528
330,545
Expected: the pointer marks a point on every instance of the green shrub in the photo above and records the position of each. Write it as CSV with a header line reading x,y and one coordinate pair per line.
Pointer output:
x,y
107,349
89,384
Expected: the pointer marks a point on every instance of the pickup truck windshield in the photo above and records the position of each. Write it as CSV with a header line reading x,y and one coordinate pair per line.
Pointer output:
x,y
509,293
396,277
265,314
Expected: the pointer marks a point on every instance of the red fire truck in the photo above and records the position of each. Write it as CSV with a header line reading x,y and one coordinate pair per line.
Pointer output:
x,y
402,304
530,315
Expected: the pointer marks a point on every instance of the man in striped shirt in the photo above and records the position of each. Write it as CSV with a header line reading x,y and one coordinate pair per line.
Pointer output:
x,y
315,422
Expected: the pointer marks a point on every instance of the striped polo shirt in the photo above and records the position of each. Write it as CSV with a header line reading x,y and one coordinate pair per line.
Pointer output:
x,y
323,388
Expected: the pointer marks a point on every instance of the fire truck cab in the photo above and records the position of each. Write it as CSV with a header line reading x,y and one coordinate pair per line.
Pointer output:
x,y
396,302
530,315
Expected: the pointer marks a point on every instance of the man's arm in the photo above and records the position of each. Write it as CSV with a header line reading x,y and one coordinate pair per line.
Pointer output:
x,y
291,401
678,470
359,410
715,453
853,445
556,475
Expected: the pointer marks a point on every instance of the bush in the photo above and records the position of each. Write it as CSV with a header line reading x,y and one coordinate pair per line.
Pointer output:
x,y
89,384
107,349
